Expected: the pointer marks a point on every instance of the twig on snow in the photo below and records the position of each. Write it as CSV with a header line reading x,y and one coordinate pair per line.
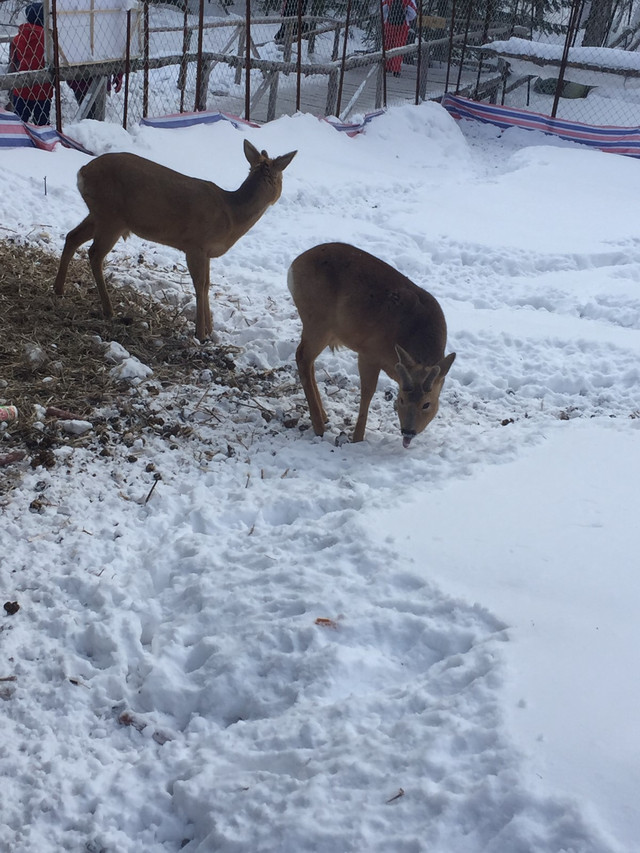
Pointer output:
x,y
156,479
396,796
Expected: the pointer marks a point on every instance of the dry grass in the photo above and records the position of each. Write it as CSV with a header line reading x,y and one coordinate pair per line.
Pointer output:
x,y
50,352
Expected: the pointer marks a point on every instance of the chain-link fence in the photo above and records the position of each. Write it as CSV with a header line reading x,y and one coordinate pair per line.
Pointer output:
x,y
578,62
122,60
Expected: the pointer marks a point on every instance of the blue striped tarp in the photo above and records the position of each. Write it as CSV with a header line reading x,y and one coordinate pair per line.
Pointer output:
x,y
620,140
191,119
14,133
617,140
352,128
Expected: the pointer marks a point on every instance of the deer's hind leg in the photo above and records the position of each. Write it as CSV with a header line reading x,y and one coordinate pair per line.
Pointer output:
x,y
208,322
308,350
75,238
103,242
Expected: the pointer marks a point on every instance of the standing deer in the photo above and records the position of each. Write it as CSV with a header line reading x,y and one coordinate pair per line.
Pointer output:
x,y
126,193
348,297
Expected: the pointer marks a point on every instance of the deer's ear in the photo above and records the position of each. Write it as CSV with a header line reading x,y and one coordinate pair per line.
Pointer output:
x,y
283,161
430,378
251,153
445,364
404,358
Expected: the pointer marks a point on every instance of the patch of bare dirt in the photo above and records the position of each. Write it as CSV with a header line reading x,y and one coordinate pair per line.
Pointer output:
x,y
52,356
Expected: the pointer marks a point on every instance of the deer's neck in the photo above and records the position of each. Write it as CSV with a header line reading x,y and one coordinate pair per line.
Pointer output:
x,y
250,200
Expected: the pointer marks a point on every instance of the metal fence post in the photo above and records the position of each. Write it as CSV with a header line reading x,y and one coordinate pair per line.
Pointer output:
x,y
186,44
201,99
145,55
419,59
127,71
299,61
464,46
449,57
247,72
485,30
383,61
344,57
56,65
574,19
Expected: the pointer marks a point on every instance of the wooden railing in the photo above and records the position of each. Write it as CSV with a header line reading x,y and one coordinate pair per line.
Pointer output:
x,y
271,69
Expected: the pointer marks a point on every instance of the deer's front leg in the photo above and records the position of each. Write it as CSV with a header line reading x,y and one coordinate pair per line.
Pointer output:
x,y
368,381
198,266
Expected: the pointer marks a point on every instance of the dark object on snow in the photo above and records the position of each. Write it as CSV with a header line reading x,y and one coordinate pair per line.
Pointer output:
x,y
10,458
11,607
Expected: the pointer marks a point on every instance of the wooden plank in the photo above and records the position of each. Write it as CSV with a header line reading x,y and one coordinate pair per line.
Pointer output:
x,y
432,22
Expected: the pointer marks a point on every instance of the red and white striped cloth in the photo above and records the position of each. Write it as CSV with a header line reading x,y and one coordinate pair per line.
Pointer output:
x,y
14,133
616,140
620,140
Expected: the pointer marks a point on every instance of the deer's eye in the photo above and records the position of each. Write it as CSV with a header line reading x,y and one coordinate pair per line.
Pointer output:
x,y
426,406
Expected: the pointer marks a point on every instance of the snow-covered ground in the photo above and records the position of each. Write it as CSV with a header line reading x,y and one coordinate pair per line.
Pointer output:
x,y
298,646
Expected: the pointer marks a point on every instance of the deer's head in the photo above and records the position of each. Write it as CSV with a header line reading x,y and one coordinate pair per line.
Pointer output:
x,y
419,393
269,169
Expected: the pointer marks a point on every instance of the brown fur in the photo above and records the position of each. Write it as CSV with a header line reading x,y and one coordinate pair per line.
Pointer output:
x,y
346,296
128,194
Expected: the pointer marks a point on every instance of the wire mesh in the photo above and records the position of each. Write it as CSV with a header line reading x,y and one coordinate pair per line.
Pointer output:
x,y
120,61
579,62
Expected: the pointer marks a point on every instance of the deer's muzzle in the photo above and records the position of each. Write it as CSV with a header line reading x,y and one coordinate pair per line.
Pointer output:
x,y
407,437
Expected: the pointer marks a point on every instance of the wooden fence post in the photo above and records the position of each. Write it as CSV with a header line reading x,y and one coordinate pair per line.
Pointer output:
x,y
332,92
273,96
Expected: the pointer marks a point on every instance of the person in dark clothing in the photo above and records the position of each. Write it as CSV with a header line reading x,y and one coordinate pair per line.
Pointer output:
x,y
81,87
26,53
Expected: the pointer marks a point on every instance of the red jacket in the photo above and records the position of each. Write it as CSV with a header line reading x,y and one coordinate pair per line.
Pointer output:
x,y
26,54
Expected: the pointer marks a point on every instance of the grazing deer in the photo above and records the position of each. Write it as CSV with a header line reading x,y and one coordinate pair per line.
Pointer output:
x,y
348,297
126,193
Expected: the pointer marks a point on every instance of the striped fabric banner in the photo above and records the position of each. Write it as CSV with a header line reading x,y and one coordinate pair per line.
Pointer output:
x,y
352,128
620,140
617,140
43,137
14,133
191,119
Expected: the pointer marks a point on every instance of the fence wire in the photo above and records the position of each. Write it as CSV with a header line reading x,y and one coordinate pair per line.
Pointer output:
x,y
579,63
121,61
